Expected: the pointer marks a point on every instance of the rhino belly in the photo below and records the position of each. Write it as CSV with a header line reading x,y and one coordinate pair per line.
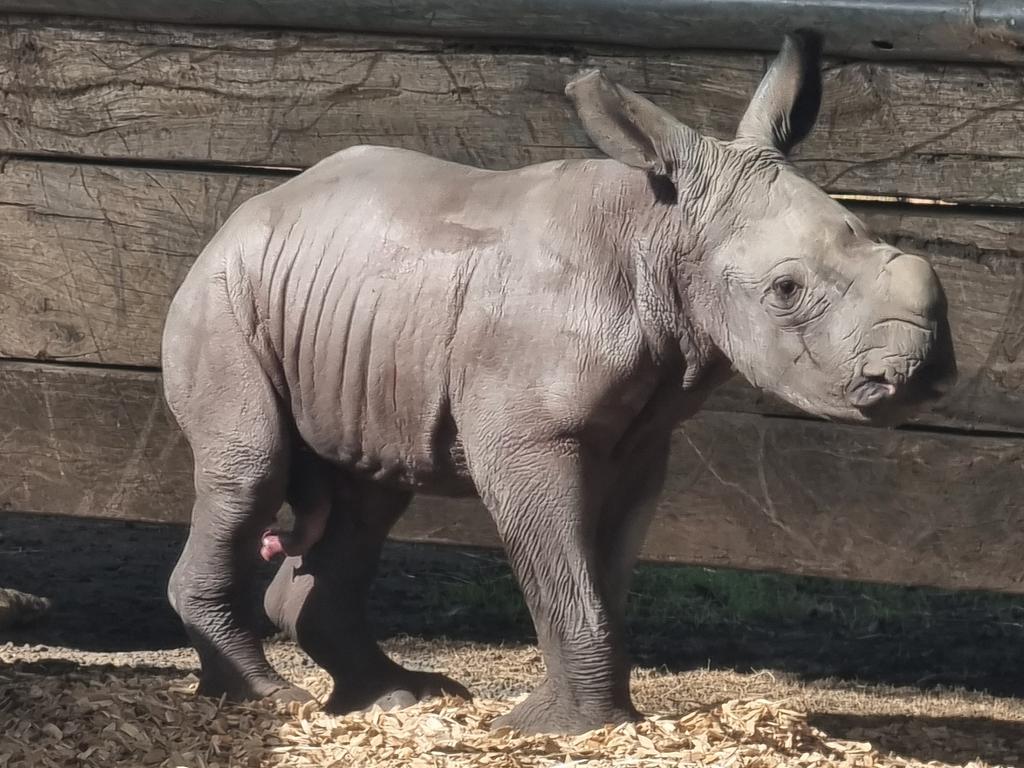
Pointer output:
x,y
367,373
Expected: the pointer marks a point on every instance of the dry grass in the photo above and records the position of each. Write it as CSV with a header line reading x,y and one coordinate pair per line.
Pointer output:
x,y
62,708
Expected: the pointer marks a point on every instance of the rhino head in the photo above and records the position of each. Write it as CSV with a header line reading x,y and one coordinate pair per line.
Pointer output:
x,y
785,282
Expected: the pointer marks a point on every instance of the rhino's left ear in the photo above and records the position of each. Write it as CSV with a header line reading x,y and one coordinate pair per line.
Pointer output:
x,y
785,106
628,127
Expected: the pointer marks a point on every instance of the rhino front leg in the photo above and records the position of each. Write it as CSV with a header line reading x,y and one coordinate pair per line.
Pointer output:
x,y
546,501
320,599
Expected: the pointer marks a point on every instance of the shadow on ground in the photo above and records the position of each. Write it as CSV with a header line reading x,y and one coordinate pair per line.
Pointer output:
x,y
952,740
107,582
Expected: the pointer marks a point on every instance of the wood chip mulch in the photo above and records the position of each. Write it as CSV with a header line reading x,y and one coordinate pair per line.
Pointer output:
x,y
103,718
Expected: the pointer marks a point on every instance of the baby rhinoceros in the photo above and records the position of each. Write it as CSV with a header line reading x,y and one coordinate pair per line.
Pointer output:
x,y
387,323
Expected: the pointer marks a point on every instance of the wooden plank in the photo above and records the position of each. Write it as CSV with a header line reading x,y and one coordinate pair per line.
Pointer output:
x,y
288,99
744,491
93,255
897,29
90,442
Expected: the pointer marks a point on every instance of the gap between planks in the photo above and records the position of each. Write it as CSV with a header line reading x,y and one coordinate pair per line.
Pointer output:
x,y
858,200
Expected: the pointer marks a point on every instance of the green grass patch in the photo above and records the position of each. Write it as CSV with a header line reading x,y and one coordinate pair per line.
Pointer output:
x,y
686,617
480,588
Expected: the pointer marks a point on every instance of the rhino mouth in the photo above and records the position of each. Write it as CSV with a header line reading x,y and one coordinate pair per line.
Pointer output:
x,y
869,391
892,398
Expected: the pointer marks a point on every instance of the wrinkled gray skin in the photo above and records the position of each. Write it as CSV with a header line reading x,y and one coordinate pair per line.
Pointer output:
x,y
387,323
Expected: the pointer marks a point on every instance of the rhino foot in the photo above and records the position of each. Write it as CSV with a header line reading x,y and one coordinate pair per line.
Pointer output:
x,y
290,694
404,690
271,689
546,711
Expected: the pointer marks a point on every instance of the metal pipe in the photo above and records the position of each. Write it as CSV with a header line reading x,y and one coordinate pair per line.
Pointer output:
x,y
943,30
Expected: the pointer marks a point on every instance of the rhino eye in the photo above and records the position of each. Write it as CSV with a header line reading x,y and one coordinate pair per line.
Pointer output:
x,y
785,290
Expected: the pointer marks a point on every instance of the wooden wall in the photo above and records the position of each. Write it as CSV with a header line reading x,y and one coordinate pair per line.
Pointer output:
x,y
126,145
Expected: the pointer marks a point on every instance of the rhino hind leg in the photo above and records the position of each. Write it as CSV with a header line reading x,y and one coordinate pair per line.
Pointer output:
x,y
241,447
319,599
212,590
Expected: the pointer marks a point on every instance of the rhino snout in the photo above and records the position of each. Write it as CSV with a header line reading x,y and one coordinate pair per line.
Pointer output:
x,y
909,358
887,379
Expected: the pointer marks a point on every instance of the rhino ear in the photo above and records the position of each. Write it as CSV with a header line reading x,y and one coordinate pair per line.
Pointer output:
x,y
786,103
628,127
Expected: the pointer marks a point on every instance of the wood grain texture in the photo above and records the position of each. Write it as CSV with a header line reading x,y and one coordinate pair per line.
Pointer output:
x,y
92,256
90,442
744,491
288,99
986,30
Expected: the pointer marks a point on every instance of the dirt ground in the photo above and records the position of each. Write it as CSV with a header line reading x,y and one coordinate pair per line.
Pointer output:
x,y
922,677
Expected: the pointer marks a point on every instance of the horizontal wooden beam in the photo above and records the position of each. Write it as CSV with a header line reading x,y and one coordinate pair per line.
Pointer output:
x,y
743,491
93,255
288,99
971,30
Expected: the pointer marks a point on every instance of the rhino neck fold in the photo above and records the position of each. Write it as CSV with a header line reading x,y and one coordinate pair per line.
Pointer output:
x,y
655,242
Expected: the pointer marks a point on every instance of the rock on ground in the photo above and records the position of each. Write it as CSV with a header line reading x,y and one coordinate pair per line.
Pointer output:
x,y
19,609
